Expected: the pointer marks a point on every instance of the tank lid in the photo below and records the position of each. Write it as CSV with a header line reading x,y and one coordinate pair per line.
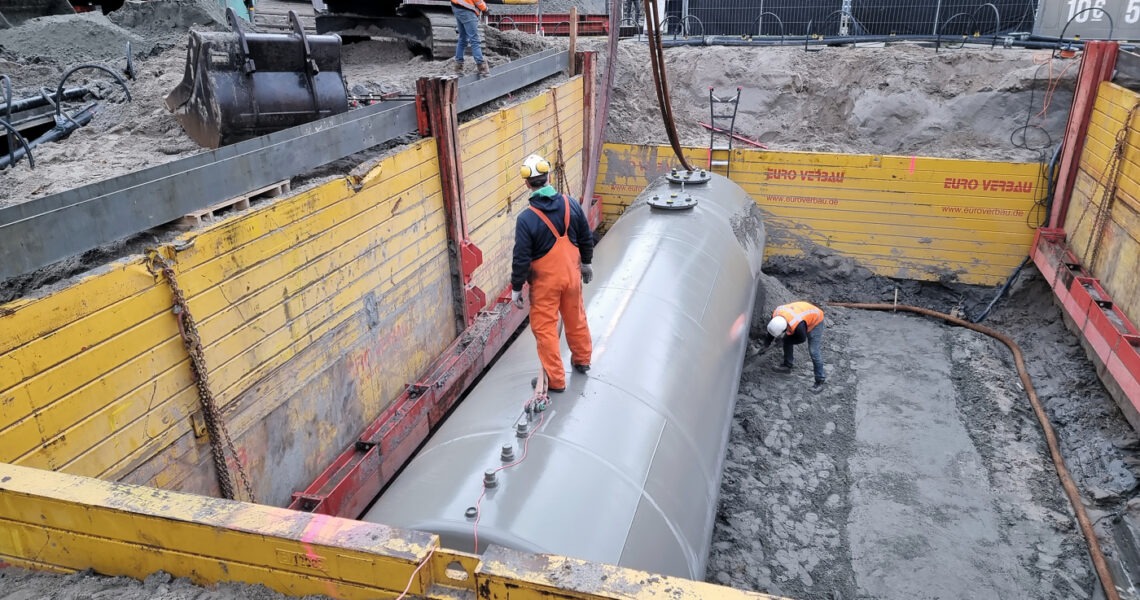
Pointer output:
x,y
688,177
672,201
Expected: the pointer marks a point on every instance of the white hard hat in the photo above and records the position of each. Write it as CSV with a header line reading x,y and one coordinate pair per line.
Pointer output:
x,y
777,326
533,166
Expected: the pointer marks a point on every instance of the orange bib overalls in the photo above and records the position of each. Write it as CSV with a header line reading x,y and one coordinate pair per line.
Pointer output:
x,y
556,287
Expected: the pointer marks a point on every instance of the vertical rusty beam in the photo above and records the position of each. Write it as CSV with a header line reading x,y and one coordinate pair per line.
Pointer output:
x,y
1096,67
573,39
585,64
438,96
602,105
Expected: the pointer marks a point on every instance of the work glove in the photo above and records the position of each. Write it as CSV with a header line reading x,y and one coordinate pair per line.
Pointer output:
x,y
517,298
587,273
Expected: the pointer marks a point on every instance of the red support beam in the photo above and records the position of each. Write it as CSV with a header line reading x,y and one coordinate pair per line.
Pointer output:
x,y
585,64
355,478
1096,67
436,99
1111,338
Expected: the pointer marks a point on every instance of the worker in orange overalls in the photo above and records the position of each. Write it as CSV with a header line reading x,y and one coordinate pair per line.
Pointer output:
x,y
553,250
798,322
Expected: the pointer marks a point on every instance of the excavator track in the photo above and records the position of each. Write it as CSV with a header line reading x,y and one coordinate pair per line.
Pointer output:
x,y
444,34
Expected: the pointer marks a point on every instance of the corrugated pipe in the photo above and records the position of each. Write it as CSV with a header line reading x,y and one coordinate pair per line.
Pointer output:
x,y
1050,436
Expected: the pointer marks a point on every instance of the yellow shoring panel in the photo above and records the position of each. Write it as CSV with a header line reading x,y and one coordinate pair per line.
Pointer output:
x,y
1117,263
900,216
68,523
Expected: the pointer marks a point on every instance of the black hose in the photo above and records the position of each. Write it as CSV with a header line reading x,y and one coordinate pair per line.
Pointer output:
x,y
1001,292
8,114
62,129
63,80
30,102
1051,181
23,142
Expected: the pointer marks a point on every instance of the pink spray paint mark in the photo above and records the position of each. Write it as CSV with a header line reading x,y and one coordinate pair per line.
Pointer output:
x,y
316,526
912,161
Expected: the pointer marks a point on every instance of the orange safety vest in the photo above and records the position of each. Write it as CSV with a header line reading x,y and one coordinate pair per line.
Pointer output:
x,y
478,6
795,312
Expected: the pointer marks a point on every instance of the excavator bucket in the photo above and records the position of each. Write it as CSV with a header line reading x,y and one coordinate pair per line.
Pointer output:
x,y
14,12
242,85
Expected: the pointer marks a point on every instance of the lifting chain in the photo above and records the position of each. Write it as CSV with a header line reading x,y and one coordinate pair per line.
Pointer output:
x,y
1112,180
559,163
215,423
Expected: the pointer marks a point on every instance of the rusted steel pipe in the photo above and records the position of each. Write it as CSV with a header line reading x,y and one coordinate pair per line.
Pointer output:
x,y
1050,436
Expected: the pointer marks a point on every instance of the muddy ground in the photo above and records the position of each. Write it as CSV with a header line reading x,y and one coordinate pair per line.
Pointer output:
x,y
921,470
921,457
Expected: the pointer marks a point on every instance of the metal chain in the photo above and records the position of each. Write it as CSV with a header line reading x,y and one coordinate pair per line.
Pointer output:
x,y
215,423
559,163
1112,180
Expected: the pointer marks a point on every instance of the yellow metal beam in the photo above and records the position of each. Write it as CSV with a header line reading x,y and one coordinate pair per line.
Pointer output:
x,y
68,523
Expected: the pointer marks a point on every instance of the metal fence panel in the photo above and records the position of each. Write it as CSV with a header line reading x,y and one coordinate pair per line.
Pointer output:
x,y
850,17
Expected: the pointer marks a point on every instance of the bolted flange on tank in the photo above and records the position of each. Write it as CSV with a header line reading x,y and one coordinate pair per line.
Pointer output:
x,y
239,85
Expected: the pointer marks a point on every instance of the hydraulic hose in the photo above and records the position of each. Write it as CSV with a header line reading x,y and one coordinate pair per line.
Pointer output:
x,y
1070,488
660,83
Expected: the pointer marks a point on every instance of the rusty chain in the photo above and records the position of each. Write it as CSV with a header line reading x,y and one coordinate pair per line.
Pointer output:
x,y
559,163
1112,180
215,423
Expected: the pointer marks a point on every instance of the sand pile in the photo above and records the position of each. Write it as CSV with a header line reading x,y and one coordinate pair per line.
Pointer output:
x,y
71,39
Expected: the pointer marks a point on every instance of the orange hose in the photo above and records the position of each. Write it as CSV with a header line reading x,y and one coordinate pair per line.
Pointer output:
x,y
1050,437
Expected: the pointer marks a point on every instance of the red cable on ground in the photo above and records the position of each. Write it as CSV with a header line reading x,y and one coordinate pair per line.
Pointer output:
x,y
1070,488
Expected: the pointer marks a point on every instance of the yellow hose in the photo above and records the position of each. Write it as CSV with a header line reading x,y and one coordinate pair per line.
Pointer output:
x,y
1050,436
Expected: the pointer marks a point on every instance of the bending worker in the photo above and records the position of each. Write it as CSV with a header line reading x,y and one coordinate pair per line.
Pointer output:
x,y
553,250
797,322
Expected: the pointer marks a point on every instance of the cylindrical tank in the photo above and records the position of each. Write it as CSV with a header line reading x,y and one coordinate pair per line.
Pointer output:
x,y
624,467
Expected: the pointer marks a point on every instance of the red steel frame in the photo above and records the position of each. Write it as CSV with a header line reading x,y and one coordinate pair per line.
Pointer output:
x,y
355,478
1096,67
552,23
1111,336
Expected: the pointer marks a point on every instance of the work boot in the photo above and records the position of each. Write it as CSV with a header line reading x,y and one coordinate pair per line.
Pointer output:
x,y
819,385
534,384
782,368
484,69
582,368
458,67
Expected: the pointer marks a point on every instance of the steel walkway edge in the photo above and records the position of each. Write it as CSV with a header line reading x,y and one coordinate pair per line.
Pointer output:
x,y
64,523
42,231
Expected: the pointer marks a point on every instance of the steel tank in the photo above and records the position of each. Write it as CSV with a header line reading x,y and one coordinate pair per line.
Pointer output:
x,y
624,467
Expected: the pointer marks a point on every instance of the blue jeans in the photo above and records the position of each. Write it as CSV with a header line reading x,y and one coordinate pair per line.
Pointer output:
x,y
467,22
815,341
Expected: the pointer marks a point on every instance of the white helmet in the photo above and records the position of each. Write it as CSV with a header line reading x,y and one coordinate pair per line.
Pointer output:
x,y
533,166
777,326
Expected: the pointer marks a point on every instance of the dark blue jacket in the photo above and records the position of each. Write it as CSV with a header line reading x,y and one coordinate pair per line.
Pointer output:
x,y
533,238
